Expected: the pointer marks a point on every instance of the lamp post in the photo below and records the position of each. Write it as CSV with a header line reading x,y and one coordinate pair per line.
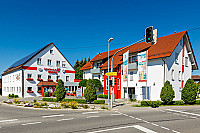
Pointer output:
x,y
108,69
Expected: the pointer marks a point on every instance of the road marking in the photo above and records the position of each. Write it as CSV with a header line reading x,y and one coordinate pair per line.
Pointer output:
x,y
184,115
66,119
90,113
8,120
164,128
146,121
131,116
182,112
125,114
169,112
175,131
50,116
144,129
31,123
193,117
154,124
92,116
118,128
115,114
138,119
176,113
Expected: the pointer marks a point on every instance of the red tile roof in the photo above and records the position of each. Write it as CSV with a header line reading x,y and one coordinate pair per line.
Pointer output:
x,y
163,48
46,83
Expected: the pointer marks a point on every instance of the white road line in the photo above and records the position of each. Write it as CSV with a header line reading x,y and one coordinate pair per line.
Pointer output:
x,y
114,114
65,119
31,123
182,112
169,112
146,121
131,116
164,128
184,115
176,113
125,114
154,124
138,119
144,129
90,113
175,131
92,116
193,117
1,121
49,116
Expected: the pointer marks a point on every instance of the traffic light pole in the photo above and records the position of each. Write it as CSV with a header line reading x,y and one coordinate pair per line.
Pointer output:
x,y
112,91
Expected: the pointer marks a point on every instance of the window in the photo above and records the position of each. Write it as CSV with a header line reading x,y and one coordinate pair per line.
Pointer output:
x,y
99,76
58,63
19,89
131,75
67,78
29,88
39,76
49,76
63,64
179,75
51,51
118,84
132,59
172,74
98,65
49,62
13,78
58,77
182,76
186,61
7,89
176,58
40,89
107,85
29,76
39,61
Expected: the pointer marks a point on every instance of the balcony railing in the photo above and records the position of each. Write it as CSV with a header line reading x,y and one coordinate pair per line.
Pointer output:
x,y
95,71
132,66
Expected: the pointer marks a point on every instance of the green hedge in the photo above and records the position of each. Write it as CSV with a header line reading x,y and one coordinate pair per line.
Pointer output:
x,y
46,94
99,101
13,96
103,96
50,99
197,102
82,101
151,103
178,102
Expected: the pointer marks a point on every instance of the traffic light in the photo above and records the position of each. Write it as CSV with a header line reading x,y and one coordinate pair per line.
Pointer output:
x,y
149,34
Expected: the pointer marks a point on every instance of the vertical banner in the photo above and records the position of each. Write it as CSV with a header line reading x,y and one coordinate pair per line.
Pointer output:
x,y
142,66
125,66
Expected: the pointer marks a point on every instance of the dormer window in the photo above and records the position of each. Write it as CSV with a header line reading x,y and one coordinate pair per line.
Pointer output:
x,y
51,51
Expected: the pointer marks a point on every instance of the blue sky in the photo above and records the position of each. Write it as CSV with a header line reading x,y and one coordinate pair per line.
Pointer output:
x,y
27,25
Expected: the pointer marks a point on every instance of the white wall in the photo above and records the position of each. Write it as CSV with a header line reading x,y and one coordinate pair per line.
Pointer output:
x,y
12,83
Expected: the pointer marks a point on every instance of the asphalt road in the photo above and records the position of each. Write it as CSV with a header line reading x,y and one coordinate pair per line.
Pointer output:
x,y
126,119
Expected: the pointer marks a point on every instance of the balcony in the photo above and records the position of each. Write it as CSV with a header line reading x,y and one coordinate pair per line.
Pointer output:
x,y
133,66
95,71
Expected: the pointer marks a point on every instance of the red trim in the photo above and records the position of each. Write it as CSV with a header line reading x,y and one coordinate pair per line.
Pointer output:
x,y
29,68
69,71
50,80
142,80
39,79
77,80
29,79
39,91
30,91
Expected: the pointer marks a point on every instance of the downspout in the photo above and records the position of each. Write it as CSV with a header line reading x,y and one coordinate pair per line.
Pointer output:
x,y
22,83
164,72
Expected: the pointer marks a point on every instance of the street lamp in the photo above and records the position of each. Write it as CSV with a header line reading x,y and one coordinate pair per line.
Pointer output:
x,y
108,69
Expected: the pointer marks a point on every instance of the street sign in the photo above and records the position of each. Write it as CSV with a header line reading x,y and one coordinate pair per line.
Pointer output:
x,y
111,74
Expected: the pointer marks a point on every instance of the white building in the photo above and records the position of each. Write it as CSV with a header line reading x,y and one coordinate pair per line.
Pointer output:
x,y
38,73
171,58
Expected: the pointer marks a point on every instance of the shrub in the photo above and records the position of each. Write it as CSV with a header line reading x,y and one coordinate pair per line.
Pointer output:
x,y
73,104
16,96
83,83
167,93
145,103
16,101
44,104
197,102
82,101
37,103
86,106
99,101
34,100
50,99
90,91
151,103
60,90
178,102
102,107
54,94
46,94
189,92
133,100
100,96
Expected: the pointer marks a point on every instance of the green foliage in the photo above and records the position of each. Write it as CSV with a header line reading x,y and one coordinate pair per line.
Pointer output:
x,y
103,96
88,59
167,93
102,107
178,102
78,73
83,83
50,99
86,106
151,103
90,91
97,83
46,94
54,94
133,100
197,102
189,92
60,90
12,96
82,101
99,101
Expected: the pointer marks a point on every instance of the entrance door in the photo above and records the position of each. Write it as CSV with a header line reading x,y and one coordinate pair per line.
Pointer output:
x,y
131,93
146,92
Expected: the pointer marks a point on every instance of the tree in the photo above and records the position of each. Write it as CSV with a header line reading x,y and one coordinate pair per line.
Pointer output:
x,y
97,83
77,64
88,59
167,93
90,91
83,83
60,90
85,61
81,63
79,73
189,92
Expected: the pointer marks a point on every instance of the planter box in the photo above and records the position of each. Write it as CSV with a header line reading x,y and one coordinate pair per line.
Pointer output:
x,y
30,91
39,79
50,80
39,91
29,79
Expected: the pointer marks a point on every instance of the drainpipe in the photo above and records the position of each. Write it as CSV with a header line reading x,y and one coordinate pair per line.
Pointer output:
x,y
164,72
22,83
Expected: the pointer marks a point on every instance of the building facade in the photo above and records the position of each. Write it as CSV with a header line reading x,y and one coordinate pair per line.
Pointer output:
x,y
171,58
38,73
